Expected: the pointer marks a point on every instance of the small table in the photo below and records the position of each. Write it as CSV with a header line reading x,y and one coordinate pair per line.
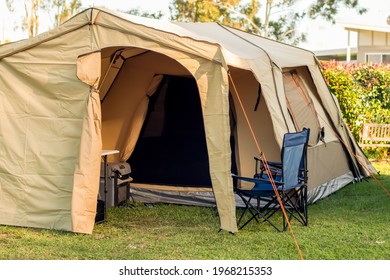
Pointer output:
x,y
104,154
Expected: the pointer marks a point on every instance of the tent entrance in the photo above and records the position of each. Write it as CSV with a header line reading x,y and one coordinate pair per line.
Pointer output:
x,y
171,149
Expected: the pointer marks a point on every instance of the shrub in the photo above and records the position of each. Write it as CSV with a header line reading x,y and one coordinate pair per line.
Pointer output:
x,y
363,91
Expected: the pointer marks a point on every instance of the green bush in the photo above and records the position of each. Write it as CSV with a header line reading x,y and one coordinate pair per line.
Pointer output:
x,y
363,91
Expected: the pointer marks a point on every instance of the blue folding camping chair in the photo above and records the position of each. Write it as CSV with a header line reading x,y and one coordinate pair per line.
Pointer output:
x,y
278,184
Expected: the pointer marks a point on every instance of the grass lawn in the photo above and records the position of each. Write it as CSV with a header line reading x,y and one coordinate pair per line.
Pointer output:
x,y
350,224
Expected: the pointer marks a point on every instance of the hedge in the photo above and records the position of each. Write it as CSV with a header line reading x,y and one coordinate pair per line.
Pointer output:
x,y
363,91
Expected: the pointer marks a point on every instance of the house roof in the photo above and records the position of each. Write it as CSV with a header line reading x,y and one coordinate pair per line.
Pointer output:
x,y
373,26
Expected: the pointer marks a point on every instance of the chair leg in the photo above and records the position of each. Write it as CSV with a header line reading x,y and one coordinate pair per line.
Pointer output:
x,y
296,206
268,210
294,203
259,212
248,207
304,205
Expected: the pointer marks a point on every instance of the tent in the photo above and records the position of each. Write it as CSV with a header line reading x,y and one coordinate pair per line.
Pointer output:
x,y
107,80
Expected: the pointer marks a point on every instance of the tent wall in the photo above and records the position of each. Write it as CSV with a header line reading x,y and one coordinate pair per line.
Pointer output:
x,y
46,114
322,157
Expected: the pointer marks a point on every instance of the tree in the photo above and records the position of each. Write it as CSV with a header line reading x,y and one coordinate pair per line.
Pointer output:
x,y
283,28
223,11
327,9
5,42
31,18
279,22
138,12
64,9
60,9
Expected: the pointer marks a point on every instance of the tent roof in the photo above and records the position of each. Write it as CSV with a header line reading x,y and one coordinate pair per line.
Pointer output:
x,y
246,46
239,48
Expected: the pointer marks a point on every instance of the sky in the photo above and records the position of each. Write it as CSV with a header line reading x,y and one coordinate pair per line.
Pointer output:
x,y
321,34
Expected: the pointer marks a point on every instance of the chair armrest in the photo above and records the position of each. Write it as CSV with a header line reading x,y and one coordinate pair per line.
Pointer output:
x,y
276,164
275,168
273,163
256,180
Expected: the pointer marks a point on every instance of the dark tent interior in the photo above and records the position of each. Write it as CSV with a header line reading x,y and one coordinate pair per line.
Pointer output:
x,y
171,149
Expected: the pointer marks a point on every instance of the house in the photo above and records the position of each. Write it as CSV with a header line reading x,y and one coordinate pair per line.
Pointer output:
x,y
339,54
373,44
373,41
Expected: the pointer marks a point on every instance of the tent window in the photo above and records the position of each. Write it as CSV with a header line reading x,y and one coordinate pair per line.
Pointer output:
x,y
300,105
171,149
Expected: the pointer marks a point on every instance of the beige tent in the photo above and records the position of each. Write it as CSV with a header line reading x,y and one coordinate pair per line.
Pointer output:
x,y
88,85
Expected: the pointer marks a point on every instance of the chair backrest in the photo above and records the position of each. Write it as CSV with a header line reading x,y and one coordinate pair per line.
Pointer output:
x,y
294,157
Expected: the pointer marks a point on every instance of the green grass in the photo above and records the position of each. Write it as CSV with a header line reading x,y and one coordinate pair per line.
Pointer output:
x,y
353,223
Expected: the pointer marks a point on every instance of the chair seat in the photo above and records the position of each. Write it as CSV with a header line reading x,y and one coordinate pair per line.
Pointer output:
x,y
264,193
263,185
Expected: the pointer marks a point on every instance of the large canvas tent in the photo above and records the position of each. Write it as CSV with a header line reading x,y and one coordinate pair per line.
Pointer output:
x,y
107,80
